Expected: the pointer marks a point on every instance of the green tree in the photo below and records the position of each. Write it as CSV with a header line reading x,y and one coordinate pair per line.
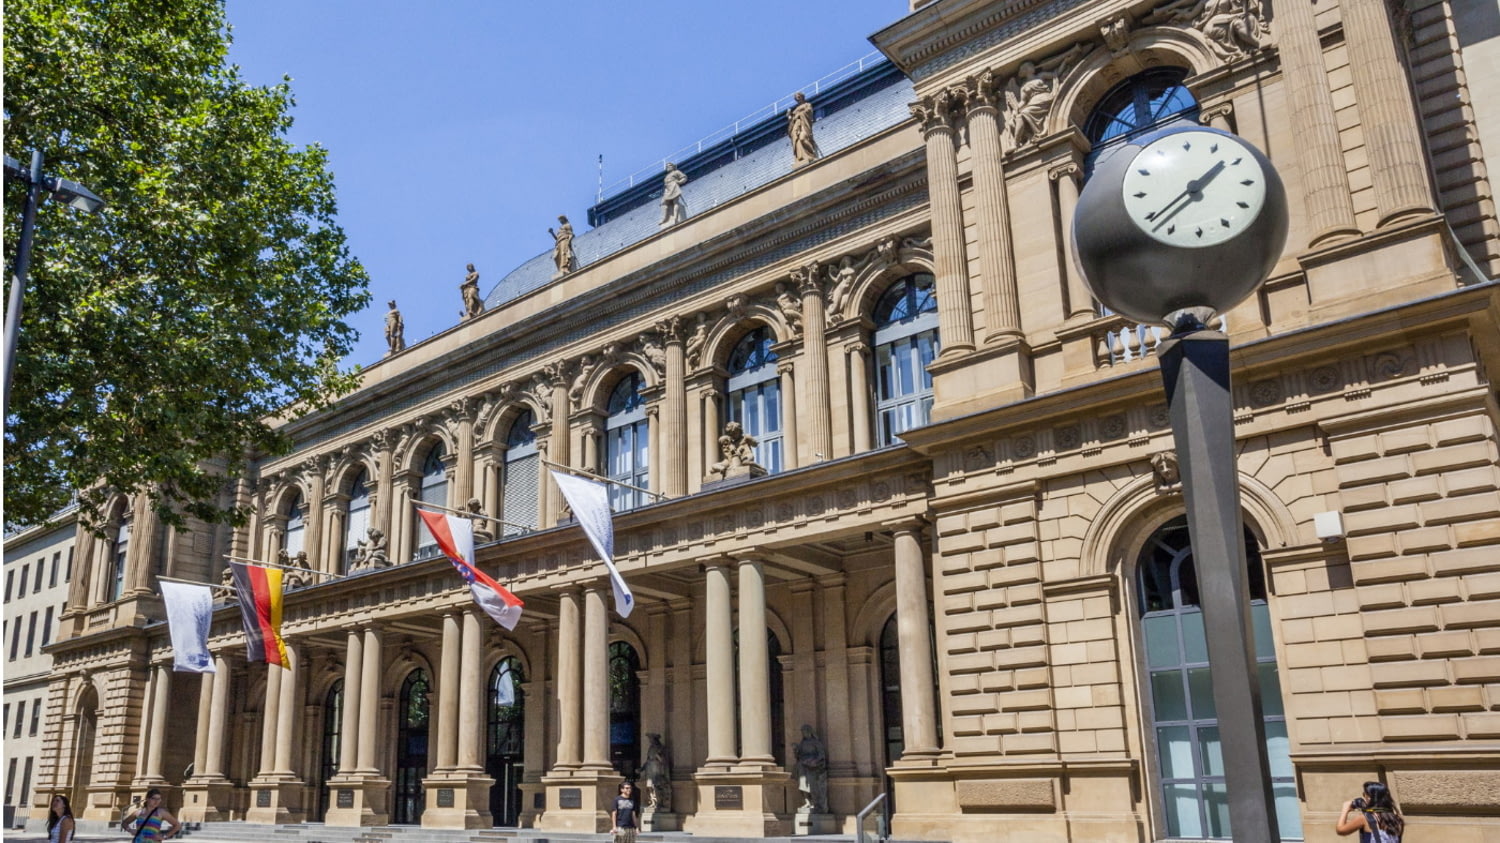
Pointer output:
x,y
160,337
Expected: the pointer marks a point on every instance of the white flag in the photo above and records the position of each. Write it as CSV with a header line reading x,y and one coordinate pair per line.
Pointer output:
x,y
590,503
190,609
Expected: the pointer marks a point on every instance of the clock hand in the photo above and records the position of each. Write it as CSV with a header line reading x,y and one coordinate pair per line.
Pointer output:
x,y
1193,192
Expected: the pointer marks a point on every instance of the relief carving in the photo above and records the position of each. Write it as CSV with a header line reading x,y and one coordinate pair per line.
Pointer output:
x,y
790,306
1232,28
1031,92
695,342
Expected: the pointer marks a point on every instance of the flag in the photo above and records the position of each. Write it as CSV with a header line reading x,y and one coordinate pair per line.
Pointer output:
x,y
455,538
190,608
590,503
259,590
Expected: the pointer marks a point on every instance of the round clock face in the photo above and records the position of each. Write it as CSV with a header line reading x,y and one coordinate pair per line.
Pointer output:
x,y
1194,188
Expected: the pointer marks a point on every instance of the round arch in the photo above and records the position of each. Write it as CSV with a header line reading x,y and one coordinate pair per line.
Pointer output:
x,y
873,280
1149,47
497,428
414,450
594,397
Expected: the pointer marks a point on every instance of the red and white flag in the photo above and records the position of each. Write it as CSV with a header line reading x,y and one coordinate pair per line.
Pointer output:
x,y
455,538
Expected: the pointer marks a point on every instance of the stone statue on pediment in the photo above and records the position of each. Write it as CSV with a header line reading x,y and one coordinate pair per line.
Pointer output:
x,y
395,330
673,209
562,247
799,127
300,575
738,451
370,552
473,301
477,515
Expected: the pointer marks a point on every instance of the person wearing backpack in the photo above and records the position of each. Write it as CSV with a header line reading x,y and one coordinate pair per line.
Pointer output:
x,y
1374,815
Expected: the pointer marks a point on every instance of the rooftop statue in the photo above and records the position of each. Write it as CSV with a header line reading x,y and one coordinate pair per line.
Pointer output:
x,y
395,330
562,247
799,127
473,302
673,210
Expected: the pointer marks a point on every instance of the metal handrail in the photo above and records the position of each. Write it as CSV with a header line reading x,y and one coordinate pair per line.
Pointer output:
x,y
760,115
859,820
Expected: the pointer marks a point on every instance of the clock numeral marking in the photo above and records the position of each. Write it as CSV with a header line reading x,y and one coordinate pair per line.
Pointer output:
x,y
1143,171
1243,204
1214,148
1140,194
1171,228
1248,182
1187,144
1223,222
1236,161
1198,231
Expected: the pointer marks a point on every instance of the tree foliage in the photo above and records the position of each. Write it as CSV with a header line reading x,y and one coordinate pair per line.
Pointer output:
x,y
159,337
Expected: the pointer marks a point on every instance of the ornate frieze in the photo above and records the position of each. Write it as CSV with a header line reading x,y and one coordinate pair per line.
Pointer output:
x,y
1232,28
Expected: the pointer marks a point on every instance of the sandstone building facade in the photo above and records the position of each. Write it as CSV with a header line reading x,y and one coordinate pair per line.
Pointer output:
x,y
966,568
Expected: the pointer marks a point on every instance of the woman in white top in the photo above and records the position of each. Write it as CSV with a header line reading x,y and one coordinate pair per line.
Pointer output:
x,y
60,821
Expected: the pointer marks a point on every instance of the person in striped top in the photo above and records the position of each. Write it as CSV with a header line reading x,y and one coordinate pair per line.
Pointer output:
x,y
151,821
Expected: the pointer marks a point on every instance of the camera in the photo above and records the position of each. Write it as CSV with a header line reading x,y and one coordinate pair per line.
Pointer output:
x,y
1357,803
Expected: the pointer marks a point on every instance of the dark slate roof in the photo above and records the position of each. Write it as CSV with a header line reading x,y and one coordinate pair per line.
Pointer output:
x,y
847,113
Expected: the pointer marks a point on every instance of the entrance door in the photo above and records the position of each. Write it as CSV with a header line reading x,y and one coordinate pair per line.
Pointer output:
x,y
505,744
328,763
411,749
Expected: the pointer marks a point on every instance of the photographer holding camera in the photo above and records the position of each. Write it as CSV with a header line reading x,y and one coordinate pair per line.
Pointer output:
x,y
1373,815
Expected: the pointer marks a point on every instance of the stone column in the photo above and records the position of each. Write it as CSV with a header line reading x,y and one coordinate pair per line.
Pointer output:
x,y
683,727
836,669
859,395
653,453
384,483
270,720
471,683
1386,112
755,667
997,263
569,682
316,513
287,716
1080,300
595,680
463,469
674,412
354,661
789,438
712,426
719,637
369,702
561,448
814,364
213,759
205,720
1324,173
918,723
448,696
160,697
141,555
939,128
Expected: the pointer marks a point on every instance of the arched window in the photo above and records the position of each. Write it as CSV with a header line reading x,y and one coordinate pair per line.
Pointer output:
x,y
434,490
333,726
624,709
1141,103
358,522
627,443
295,525
411,747
906,341
1190,760
505,741
119,551
755,395
523,463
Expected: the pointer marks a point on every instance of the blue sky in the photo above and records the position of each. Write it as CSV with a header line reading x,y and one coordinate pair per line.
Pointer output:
x,y
458,131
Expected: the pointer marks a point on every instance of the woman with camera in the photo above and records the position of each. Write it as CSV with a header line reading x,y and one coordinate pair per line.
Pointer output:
x,y
1373,815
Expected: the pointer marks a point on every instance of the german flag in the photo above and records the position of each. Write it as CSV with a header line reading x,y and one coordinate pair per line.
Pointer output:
x,y
259,590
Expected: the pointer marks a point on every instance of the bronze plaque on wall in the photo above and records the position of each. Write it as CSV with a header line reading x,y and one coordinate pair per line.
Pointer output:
x,y
570,797
346,798
263,798
729,798
445,797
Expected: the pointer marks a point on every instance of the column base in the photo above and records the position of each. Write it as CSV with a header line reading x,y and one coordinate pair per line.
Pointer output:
x,y
457,800
207,800
275,800
533,801
358,801
741,802
579,800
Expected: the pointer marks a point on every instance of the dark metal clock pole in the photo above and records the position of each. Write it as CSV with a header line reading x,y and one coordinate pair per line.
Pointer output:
x,y
1137,275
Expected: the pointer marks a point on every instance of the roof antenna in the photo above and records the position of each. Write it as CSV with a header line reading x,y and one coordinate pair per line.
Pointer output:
x,y
599,194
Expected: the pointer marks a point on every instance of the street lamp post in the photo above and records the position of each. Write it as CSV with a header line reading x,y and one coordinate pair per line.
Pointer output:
x,y
70,193
1177,226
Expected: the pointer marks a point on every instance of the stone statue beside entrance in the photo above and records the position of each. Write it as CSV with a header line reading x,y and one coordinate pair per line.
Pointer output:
x,y
812,772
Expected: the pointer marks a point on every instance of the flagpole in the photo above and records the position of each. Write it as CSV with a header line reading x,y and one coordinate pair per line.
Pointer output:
x,y
465,513
161,578
282,567
592,476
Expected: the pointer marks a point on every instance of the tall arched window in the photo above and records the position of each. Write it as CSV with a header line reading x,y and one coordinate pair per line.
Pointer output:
x,y
627,443
119,551
358,522
333,726
624,709
1141,103
295,525
505,741
755,395
906,340
1190,760
413,719
523,463
434,490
